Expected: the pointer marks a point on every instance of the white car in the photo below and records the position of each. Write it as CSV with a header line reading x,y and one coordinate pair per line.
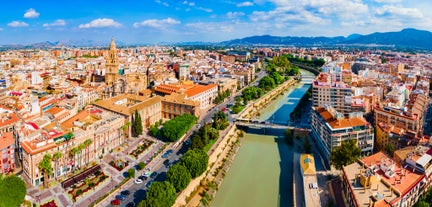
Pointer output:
x,y
138,181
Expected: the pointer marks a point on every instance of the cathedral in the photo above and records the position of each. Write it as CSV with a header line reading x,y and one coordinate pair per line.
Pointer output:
x,y
115,84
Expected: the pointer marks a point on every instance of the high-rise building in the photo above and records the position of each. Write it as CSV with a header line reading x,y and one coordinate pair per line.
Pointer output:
x,y
337,94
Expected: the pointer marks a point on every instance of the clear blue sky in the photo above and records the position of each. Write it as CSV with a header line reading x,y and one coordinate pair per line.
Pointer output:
x,y
153,21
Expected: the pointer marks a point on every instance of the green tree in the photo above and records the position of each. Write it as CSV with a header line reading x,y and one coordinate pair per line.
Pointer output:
x,y
277,78
153,131
213,133
345,154
195,161
178,126
220,120
56,158
138,124
72,153
389,149
46,167
87,144
289,137
12,190
159,194
422,203
80,148
197,142
267,83
179,176
141,165
131,172
125,128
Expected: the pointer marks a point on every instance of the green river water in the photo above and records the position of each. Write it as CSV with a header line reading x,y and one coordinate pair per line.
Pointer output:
x,y
261,174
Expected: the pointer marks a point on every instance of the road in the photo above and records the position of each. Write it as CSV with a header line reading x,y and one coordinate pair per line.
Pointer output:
x,y
138,190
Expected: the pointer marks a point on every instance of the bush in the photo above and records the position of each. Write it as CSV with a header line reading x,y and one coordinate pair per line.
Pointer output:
x,y
78,192
141,165
131,172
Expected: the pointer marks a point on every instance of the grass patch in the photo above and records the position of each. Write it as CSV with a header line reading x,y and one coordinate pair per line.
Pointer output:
x,y
237,108
209,145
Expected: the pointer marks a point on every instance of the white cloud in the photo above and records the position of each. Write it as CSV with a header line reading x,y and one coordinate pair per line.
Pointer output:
x,y
388,1
163,3
157,23
399,11
244,4
1,29
18,24
31,13
233,15
56,23
99,23
205,9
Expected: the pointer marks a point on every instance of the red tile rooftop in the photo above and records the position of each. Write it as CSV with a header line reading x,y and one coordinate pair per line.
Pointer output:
x,y
403,180
6,139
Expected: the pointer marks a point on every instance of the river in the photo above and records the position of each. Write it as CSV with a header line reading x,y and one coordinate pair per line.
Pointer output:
x,y
261,173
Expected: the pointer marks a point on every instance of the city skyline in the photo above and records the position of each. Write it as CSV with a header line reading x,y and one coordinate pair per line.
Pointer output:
x,y
157,21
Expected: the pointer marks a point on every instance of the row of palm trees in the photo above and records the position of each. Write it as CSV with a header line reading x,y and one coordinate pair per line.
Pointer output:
x,y
45,164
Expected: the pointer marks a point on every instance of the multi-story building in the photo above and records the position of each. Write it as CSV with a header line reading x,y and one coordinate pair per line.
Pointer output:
x,y
126,105
389,137
330,128
7,149
205,94
332,93
176,104
378,180
102,127
8,119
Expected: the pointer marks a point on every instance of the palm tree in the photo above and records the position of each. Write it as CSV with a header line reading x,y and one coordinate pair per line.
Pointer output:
x,y
73,152
81,147
56,157
87,144
46,167
125,129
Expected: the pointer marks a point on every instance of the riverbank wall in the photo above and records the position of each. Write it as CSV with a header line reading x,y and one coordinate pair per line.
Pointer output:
x,y
253,109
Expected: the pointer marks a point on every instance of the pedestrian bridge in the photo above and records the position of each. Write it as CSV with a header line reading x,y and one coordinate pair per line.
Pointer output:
x,y
255,124
307,78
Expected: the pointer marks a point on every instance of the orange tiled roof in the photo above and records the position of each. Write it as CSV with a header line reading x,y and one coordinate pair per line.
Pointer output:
x,y
6,139
197,89
403,181
341,123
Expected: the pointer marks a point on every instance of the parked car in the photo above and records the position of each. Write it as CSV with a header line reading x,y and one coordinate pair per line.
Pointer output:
x,y
116,202
125,192
120,197
153,175
141,177
166,162
138,181
149,183
130,204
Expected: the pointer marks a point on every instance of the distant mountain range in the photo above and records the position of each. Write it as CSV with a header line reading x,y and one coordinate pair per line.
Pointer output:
x,y
405,39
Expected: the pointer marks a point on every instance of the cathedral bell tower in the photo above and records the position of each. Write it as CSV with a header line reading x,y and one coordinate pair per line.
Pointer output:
x,y
112,65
